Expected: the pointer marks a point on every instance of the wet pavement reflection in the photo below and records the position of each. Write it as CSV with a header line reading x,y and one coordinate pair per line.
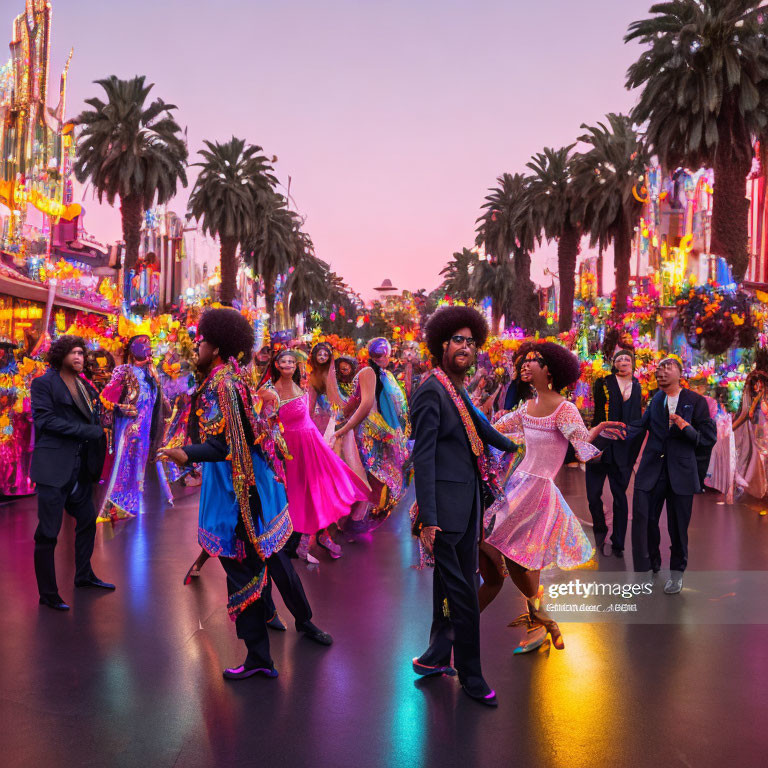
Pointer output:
x,y
134,678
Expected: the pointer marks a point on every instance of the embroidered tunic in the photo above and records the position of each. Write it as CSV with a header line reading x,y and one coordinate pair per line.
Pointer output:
x,y
242,501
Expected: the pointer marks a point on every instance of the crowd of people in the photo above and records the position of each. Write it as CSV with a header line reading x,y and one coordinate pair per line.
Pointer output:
x,y
299,449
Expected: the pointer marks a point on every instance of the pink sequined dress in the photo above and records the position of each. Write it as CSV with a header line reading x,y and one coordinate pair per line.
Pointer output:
x,y
532,524
321,487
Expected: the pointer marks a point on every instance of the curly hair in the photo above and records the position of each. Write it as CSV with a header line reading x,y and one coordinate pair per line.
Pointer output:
x,y
228,330
61,348
562,364
443,323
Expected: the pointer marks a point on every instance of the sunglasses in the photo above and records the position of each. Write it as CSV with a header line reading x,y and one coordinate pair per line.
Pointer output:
x,y
459,339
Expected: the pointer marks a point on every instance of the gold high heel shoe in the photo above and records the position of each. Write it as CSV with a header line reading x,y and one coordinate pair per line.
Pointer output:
x,y
540,626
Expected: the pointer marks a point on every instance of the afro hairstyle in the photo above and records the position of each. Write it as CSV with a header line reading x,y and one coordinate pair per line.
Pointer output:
x,y
60,348
444,323
228,330
562,364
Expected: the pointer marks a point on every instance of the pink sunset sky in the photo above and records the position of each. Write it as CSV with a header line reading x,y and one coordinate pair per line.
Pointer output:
x,y
391,118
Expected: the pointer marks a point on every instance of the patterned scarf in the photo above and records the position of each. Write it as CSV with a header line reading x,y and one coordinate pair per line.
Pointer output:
x,y
478,449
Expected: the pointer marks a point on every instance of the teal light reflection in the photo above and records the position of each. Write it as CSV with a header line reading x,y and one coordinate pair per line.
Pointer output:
x,y
409,716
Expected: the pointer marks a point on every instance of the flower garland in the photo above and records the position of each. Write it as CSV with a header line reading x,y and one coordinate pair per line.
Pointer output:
x,y
716,317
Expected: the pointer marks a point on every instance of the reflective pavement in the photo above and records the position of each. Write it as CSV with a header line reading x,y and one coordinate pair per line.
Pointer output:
x,y
133,678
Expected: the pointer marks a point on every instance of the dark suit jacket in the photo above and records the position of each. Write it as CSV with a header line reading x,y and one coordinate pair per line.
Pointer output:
x,y
680,449
618,452
62,431
445,469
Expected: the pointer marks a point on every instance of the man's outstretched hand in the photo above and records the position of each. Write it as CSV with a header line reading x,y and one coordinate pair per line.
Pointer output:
x,y
427,537
176,455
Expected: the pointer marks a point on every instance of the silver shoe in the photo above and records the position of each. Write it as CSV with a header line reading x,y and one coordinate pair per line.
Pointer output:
x,y
674,583
303,552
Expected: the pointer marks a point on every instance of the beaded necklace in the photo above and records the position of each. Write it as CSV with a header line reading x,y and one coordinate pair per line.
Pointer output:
x,y
474,439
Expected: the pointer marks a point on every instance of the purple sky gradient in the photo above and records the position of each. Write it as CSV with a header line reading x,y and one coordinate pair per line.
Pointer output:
x,y
392,118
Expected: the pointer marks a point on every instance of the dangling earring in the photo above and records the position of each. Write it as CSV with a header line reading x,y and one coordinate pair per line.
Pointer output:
x,y
549,385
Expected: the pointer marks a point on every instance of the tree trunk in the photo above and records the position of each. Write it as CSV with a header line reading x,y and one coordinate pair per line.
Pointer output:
x,y
622,258
228,269
269,298
730,207
130,214
527,315
567,252
496,312
600,274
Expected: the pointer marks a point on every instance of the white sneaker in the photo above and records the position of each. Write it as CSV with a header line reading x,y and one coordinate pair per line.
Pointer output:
x,y
674,583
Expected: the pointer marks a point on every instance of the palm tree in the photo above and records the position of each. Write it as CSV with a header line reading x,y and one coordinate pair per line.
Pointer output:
x,y
233,179
507,230
132,151
705,98
604,179
308,283
554,209
275,244
457,274
496,280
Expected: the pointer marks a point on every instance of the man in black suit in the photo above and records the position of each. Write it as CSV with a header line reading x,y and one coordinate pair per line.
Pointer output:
x,y
616,398
679,430
67,460
450,436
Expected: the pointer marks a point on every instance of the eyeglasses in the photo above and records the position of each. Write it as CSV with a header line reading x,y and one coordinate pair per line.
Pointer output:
x,y
459,339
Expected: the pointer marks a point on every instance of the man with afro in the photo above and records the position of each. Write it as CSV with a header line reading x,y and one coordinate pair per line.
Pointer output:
x,y
450,436
243,517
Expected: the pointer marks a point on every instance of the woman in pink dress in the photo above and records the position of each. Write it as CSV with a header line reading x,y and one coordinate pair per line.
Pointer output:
x,y
321,488
531,526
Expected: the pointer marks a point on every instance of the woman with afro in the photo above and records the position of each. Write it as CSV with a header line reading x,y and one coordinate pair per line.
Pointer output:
x,y
531,527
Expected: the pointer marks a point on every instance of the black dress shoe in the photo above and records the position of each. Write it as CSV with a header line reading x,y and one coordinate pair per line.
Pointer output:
x,y
242,672
276,623
54,602
616,552
489,699
656,567
426,670
94,582
315,634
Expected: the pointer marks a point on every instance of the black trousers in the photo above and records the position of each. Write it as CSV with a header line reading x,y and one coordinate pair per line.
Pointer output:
x,y
646,513
280,570
77,499
455,610
618,480
251,624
